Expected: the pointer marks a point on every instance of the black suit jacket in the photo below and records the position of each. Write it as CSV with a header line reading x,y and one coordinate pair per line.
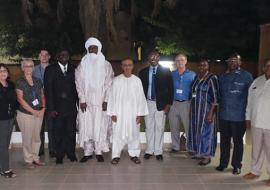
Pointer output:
x,y
163,85
60,90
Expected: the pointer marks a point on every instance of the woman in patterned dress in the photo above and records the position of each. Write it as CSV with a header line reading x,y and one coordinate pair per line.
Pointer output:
x,y
202,138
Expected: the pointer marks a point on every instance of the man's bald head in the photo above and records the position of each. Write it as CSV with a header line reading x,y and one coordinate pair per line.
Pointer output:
x,y
127,66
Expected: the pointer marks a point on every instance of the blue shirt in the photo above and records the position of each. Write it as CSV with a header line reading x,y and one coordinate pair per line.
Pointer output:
x,y
150,80
182,84
234,87
38,72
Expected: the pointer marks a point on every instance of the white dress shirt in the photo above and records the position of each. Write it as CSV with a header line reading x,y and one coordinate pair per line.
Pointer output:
x,y
258,108
63,67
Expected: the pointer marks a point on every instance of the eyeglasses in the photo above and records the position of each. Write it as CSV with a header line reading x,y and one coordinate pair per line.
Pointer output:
x,y
179,60
28,66
3,71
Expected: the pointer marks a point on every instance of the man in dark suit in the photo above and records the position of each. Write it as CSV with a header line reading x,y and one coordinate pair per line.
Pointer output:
x,y
61,98
158,88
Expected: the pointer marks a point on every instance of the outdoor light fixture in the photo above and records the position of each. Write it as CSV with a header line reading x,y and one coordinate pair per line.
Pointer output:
x,y
168,64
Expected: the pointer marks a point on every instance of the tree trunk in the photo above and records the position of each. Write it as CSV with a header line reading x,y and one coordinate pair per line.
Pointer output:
x,y
27,10
171,3
111,6
97,19
156,9
43,6
158,4
89,17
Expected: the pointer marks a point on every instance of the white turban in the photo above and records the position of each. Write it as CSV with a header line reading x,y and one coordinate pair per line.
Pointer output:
x,y
93,66
93,42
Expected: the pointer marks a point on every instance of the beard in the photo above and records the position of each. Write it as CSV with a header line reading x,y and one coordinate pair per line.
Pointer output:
x,y
93,56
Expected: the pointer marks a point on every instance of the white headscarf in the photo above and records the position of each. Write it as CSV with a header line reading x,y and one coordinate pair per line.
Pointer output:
x,y
93,42
93,66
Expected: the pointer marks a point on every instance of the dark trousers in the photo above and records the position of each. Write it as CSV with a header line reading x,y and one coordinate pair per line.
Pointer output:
x,y
64,129
47,123
42,137
6,127
236,131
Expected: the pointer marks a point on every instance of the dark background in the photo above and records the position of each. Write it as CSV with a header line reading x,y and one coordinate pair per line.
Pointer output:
x,y
208,28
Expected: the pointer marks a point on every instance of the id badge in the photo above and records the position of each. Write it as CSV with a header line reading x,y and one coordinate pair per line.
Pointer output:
x,y
179,91
193,95
35,102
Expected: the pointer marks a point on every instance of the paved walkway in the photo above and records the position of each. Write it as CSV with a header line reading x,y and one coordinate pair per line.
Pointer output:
x,y
176,172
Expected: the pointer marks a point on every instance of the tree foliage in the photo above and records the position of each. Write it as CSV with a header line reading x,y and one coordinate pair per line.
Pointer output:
x,y
209,28
42,24
212,28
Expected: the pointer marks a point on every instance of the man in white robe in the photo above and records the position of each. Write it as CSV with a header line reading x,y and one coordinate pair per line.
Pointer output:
x,y
93,79
257,118
126,106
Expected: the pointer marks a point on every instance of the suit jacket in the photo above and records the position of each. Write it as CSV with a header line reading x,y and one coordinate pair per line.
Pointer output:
x,y
163,85
60,90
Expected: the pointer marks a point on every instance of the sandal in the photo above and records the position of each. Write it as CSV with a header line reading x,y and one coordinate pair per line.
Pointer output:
x,y
9,174
115,161
135,159
30,166
38,163
205,162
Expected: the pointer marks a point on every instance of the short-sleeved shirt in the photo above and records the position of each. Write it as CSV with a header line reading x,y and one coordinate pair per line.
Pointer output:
x,y
182,84
30,93
234,87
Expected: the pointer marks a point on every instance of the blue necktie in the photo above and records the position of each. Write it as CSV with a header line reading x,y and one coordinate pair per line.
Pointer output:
x,y
153,92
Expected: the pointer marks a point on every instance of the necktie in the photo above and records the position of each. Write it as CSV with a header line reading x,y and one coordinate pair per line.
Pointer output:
x,y
153,91
65,70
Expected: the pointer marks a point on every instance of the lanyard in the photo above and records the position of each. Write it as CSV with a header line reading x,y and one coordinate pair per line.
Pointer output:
x,y
33,90
198,82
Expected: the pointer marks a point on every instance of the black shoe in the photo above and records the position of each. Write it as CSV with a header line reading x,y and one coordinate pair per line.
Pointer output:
x,y
85,158
99,158
73,158
135,159
191,153
41,153
173,151
147,156
8,174
236,171
197,158
220,168
159,157
115,161
52,154
59,161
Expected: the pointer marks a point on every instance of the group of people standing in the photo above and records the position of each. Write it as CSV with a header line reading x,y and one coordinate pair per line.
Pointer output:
x,y
61,97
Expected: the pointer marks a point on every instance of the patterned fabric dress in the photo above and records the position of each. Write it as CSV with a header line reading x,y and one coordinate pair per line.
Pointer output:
x,y
202,135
